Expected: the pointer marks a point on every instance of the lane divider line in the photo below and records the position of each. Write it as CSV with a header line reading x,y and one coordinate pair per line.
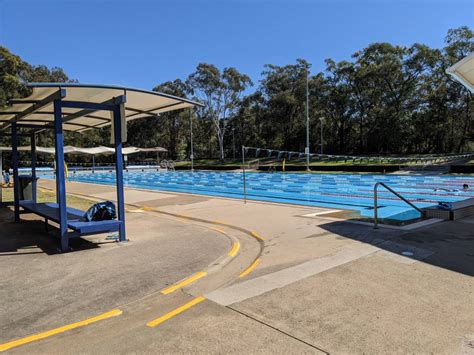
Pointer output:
x,y
175,312
235,249
250,268
39,336
183,283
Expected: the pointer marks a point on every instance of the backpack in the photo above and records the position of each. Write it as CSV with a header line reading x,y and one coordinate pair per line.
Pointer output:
x,y
101,211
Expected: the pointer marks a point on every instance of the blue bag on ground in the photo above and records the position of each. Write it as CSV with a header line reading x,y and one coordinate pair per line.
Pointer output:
x,y
101,211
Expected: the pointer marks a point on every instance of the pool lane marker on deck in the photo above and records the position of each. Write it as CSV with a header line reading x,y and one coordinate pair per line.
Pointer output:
x,y
183,283
175,312
43,335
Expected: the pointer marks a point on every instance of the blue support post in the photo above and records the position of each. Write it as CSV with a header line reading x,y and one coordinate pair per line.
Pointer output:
x,y
16,180
119,171
33,165
60,175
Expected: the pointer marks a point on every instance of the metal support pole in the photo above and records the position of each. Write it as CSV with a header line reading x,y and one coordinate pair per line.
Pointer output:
x,y
396,194
322,143
93,163
233,141
33,166
60,175
376,215
192,148
307,123
16,180
119,171
243,174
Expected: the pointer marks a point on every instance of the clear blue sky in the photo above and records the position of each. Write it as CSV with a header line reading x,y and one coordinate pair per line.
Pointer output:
x,y
142,43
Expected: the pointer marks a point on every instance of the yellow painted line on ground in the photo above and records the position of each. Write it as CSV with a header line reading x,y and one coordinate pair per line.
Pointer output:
x,y
220,222
235,249
183,283
250,268
218,230
39,336
177,311
258,236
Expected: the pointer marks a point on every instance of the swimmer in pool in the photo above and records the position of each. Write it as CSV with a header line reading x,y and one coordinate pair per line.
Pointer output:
x,y
465,187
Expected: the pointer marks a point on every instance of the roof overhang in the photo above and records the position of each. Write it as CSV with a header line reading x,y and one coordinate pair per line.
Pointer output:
x,y
463,71
100,150
37,110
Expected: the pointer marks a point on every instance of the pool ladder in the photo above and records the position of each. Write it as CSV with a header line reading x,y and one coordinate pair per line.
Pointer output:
x,y
376,222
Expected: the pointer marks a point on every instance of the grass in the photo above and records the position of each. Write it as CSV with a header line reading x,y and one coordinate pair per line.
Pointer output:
x,y
48,196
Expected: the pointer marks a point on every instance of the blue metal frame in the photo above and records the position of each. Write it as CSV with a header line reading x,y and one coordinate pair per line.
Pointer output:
x,y
16,180
113,105
33,165
60,174
119,170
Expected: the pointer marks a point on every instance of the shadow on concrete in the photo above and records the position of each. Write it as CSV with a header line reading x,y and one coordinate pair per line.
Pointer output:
x,y
28,236
448,244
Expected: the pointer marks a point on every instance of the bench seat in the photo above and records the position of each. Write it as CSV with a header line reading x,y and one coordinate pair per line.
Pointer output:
x,y
75,218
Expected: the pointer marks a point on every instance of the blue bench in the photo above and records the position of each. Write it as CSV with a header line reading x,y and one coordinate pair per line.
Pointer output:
x,y
75,218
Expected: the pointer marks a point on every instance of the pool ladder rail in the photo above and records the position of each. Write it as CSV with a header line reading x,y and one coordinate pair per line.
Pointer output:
x,y
376,222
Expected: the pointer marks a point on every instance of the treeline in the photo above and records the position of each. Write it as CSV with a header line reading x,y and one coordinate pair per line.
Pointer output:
x,y
387,99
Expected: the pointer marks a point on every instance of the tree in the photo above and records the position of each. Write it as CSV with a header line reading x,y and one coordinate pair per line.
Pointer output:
x,y
221,94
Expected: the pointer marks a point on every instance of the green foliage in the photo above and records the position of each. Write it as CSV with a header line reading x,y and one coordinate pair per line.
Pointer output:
x,y
385,99
221,95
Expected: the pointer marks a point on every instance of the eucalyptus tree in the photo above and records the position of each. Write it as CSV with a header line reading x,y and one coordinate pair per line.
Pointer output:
x,y
283,89
221,93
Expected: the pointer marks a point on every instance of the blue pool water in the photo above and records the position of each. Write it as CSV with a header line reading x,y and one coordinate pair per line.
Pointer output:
x,y
340,191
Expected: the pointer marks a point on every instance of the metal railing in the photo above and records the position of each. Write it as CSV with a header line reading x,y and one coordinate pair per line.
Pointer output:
x,y
396,194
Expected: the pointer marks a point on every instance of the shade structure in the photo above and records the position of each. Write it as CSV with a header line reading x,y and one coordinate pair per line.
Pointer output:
x,y
75,107
463,71
38,109
100,150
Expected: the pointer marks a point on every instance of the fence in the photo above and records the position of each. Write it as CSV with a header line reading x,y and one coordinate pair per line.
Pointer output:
x,y
265,153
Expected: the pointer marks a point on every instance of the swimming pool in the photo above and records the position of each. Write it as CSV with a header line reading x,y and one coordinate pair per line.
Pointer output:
x,y
340,191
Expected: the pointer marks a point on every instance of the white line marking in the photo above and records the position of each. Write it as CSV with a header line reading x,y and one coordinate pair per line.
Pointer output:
x,y
260,285
321,213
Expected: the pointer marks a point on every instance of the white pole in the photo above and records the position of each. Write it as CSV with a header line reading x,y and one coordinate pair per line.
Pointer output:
x,y
322,143
307,122
192,149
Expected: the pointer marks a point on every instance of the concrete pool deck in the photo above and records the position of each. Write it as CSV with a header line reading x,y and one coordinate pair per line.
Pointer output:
x,y
316,284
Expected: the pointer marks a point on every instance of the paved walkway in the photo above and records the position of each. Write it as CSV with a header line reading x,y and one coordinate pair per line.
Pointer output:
x,y
314,284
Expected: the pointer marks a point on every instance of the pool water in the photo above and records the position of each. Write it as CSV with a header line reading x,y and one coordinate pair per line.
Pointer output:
x,y
340,191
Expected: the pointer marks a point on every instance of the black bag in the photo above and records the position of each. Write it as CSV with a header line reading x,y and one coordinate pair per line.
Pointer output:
x,y
101,211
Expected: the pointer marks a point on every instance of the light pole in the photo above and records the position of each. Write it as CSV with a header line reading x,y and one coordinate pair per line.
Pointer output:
x,y
307,122
322,142
233,141
191,131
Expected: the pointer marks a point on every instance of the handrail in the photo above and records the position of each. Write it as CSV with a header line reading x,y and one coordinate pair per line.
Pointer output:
x,y
396,194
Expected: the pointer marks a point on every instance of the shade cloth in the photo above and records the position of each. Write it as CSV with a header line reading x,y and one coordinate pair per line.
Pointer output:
x,y
463,71
100,150
38,109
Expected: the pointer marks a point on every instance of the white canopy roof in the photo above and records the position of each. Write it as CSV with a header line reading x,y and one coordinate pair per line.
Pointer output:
x,y
463,71
37,109
100,150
